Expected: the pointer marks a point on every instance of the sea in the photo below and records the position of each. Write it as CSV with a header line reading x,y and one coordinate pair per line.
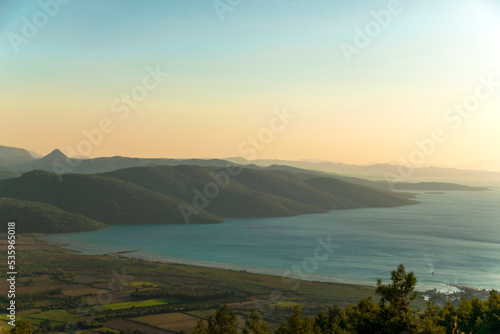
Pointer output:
x,y
449,239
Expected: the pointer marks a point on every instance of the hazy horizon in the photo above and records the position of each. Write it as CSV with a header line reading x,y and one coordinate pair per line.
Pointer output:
x,y
232,71
470,166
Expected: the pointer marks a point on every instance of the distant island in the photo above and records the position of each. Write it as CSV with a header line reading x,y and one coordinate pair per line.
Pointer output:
x,y
435,186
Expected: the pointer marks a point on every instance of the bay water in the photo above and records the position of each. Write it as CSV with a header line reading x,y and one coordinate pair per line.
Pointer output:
x,y
448,239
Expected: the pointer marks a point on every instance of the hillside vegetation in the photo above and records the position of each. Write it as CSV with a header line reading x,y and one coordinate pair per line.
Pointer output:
x,y
104,199
392,315
7,173
155,194
255,192
233,200
43,218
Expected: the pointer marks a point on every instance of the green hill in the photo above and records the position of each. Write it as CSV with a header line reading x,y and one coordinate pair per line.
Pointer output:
x,y
35,217
235,200
104,199
7,173
152,195
363,196
256,193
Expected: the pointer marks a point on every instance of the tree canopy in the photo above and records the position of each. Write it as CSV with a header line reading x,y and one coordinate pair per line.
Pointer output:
x,y
392,315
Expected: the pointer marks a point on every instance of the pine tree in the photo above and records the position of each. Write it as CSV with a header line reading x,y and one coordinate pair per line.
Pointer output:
x,y
297,324
200,328
397,314
223,323
254,324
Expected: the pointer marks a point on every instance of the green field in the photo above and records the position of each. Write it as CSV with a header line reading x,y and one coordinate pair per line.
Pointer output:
x,y
143,303
56,315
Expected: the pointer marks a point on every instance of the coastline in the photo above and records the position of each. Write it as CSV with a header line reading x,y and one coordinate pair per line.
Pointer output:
x,y
450,288
217,266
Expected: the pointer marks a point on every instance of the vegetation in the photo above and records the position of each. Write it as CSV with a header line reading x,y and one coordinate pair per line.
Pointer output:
x,y
393,315
254,324
7,174
224,322
153,195
361,195
107,200
22,327
254,192
36,217
143,303
233,200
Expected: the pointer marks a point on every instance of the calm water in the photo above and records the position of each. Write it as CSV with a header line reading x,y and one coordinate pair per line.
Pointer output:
x,y
455,235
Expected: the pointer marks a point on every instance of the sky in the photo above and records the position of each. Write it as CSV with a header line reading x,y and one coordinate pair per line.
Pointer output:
x,y
357,81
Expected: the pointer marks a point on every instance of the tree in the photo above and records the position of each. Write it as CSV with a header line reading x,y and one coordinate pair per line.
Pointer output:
x,y
200,328
492,313
223,323
447,316
428,323
254,324
397,315
45,326
22,327
364,317
335,321
297,324
455,328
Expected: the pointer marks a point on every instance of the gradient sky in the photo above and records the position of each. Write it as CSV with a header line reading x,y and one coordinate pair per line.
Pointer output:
x,y
227,76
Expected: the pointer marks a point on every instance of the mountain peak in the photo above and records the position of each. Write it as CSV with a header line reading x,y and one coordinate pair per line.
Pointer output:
x,y
55,154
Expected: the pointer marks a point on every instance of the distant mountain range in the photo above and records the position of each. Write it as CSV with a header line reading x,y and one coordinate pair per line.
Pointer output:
x,y
389,171
11,156
125,190
15,161
382,184
58,162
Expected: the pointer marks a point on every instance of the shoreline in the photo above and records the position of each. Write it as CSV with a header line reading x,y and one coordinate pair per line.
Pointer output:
x,y
452,289
316,279
246,270
121,254
362,273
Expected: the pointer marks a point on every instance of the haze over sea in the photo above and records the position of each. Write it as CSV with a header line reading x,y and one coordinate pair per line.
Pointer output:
x,y
456,235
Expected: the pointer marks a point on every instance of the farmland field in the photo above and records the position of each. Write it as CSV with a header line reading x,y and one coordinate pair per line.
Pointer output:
x,y
143,303
170,321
